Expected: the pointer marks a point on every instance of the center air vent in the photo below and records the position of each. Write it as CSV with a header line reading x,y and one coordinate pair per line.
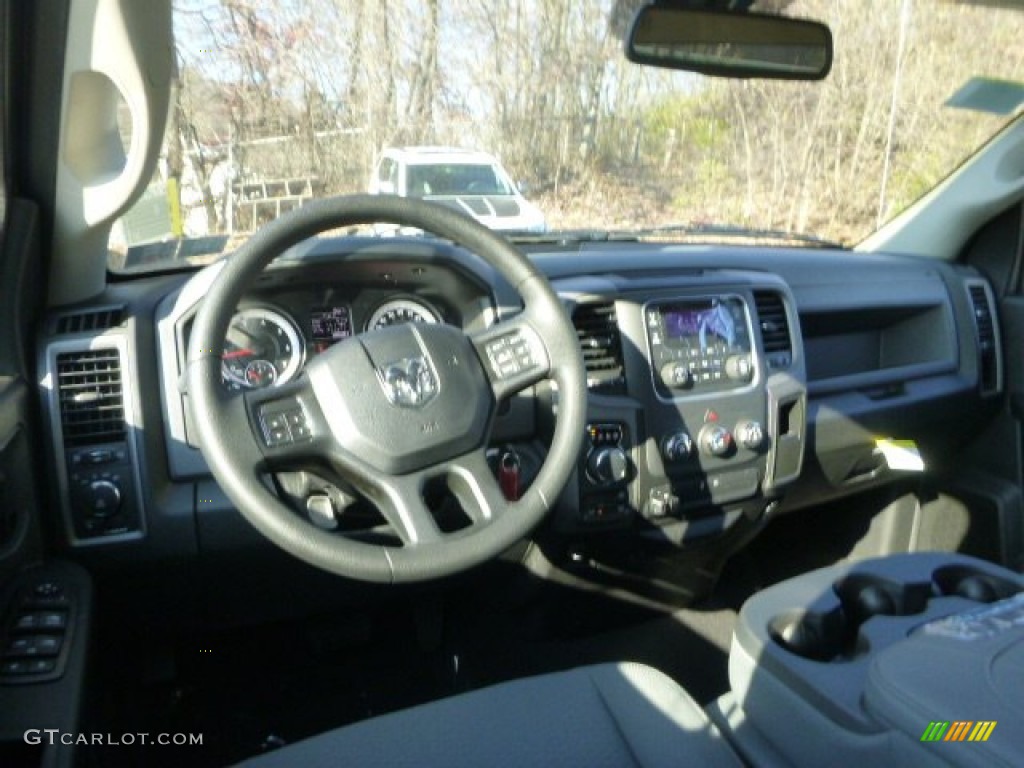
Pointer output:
x,y
774,325
90,393
93,320
598,331
988,346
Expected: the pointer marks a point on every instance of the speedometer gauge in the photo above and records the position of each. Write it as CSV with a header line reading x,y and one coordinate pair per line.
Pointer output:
x,y
262,348
399,311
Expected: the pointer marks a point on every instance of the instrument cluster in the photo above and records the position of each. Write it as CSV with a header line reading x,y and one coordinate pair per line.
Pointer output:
x,y
267,344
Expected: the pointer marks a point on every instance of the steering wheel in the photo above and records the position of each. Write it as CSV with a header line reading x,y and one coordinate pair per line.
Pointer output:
x,y
391,410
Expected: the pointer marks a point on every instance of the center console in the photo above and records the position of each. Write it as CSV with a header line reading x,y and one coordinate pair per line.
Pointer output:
x,y
905,660
708,424
709,433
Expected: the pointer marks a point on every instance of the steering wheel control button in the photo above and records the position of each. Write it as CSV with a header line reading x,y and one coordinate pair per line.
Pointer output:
x,y
284,423
276,421
510,355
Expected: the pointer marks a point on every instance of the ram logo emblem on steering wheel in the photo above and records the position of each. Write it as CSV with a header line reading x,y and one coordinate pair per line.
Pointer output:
x,y
409,383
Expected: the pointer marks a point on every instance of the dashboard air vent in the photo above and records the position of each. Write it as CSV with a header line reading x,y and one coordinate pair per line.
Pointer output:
x,y
988,346
598,331
774,325
94,320
90,392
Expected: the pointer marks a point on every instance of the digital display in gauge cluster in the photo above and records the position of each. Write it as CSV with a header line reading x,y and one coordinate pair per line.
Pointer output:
x,y
329,325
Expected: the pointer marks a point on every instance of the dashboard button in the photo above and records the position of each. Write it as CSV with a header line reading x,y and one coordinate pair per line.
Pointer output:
x,y
714,440
676,375
607,465
41,666
677,447
750,434
739,368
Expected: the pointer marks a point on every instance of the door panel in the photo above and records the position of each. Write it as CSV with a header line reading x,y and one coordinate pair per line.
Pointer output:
x,y
991,474
20,539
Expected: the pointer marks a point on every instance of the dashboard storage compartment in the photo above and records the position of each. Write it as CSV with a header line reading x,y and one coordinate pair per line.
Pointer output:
x,y
895,339
884,661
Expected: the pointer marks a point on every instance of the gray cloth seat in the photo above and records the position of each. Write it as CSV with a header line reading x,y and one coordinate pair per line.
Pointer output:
x,y
606,715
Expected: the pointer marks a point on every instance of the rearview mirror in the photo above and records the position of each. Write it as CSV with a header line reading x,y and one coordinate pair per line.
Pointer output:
x,y
730,44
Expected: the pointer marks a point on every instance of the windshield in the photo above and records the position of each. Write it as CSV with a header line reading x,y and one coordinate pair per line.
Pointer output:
x,y
278,104
455,179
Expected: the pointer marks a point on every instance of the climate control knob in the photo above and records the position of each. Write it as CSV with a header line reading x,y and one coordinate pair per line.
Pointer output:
x,y
739,368
677,447
676,376
104,498
714,440
750,434
607,465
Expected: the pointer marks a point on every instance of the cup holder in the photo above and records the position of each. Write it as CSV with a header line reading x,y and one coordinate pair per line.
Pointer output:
x,y
864,595
831,630
973,584
815,636
835,635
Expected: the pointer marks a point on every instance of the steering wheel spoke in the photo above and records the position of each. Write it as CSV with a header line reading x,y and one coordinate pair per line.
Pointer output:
x,y
513,354
400,501
473,484
287,424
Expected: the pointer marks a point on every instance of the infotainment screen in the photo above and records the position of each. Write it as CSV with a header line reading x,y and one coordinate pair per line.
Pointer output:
x,y
709,322
700,343
329,325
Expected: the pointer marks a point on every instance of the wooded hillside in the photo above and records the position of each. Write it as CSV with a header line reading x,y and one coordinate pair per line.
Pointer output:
x,y
316,88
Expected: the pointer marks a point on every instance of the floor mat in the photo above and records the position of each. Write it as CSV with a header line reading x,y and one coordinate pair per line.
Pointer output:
x,y
690,645
255,689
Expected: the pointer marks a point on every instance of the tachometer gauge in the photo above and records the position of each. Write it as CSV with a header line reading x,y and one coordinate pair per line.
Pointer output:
x,y
263,348
399,311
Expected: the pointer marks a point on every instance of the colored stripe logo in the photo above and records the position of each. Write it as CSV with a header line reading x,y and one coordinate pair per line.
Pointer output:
x,y
958,730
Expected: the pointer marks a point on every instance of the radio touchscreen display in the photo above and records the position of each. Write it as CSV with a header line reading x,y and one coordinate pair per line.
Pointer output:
x,y
701,344
712,324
